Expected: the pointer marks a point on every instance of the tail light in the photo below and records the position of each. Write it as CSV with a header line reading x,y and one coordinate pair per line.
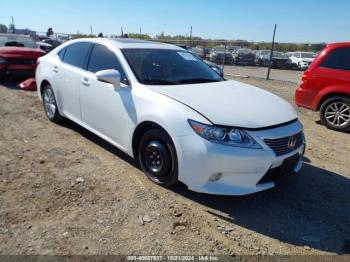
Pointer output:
x,y
305,76
38,61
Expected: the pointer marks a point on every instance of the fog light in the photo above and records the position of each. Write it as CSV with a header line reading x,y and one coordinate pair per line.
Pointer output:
x,y
215,177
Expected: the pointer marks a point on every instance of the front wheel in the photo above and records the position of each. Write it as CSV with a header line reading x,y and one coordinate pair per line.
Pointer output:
x,y
50,104
335,113
157,157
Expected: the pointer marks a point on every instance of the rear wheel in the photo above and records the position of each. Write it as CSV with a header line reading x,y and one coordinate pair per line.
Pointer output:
x,y
50,104
157,157
335,113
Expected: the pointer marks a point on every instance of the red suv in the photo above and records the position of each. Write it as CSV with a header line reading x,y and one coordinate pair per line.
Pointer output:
x,y
325,86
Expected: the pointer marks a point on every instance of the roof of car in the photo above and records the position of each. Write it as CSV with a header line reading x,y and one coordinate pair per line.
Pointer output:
x,y
339,44
126,43
138,43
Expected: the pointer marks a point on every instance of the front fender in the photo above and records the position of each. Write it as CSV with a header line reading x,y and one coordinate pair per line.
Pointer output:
x,y
164,111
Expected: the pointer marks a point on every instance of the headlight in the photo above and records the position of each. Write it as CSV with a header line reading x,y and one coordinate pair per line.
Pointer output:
x,y
227,136
2,60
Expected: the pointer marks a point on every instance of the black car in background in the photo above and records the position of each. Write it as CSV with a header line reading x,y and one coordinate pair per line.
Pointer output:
x,y
52,42
243,56
220,54
279,59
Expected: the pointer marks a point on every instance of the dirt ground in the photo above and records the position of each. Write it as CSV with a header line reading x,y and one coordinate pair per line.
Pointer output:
x,y
65,191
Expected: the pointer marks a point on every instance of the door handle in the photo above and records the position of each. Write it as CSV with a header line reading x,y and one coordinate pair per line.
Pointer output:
x,y
55,69
85,81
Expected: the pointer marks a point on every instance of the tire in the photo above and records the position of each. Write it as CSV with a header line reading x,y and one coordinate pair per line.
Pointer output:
x,y
156,145
330,118
50,105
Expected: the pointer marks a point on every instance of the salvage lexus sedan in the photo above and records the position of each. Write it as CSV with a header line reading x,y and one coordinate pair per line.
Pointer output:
x,y
169,110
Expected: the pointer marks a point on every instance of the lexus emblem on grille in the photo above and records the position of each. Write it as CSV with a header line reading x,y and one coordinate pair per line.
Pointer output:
x,y
292,142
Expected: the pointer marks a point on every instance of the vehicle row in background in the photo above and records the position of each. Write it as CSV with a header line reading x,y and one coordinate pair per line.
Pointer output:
x,y
245,56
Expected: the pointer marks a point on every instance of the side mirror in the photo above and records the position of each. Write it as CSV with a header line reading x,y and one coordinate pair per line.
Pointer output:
x,y
110,76
218,71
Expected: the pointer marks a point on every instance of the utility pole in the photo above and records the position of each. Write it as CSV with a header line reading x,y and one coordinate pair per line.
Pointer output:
x,y
140,31
13,24
223,59
121,28
191,37
91,30
271,53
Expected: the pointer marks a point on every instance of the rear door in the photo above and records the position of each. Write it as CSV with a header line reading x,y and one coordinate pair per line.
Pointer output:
x,y
106,109
69,71
334,70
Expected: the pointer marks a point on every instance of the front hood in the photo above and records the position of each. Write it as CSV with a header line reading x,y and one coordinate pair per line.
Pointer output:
x,y
232,103
21,52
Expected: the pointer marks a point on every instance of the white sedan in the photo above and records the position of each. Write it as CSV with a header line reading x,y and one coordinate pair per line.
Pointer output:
x,y
166,108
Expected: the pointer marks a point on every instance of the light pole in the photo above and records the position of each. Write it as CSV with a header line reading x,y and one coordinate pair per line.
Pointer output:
x,y
271,54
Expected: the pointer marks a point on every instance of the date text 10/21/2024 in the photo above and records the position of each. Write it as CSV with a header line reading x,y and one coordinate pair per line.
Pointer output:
x,y
173,258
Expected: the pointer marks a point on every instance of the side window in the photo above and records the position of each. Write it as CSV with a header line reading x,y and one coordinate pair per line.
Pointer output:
x,y
102,58
61,53
338,59
76,54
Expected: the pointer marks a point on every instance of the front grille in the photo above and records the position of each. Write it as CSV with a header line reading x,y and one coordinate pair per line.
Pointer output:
x,y
20,61
285,168
282,146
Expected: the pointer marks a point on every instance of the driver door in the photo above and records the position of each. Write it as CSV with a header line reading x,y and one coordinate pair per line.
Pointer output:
x,y
105,108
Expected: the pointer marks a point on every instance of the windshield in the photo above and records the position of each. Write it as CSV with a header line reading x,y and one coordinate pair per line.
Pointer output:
x,y
17,41
244,51
220,49
307,55
168,67
279,54
232,48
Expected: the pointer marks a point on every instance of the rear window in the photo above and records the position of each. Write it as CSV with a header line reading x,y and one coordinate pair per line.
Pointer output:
x,y
76,54
338,59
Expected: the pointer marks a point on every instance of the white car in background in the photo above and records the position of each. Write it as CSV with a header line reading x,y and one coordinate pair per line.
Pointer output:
x,y
170,111
302,60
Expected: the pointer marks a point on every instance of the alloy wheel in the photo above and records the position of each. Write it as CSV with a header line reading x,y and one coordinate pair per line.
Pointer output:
x,y
337,114
49,103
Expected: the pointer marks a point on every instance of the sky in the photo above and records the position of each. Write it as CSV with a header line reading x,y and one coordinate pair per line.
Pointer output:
x,y
302,21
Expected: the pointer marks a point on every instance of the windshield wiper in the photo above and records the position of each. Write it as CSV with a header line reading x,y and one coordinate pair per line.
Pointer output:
x,y
197,80
157,82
